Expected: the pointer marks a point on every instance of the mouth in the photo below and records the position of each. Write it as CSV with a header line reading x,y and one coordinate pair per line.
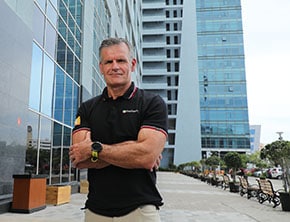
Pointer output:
x,y
115,74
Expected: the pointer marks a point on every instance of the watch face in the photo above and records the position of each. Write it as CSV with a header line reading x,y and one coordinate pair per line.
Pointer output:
x,y
96,146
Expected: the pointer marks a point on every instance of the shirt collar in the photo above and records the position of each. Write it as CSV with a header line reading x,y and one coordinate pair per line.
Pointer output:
x,y
127,95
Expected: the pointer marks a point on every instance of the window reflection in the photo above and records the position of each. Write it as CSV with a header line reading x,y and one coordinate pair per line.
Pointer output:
x,y
47,86
68,101
54,93
59,94
66,166
31,143
51,14
56,153
44,146
69,62
50,39
35,79
41,3
61,51
38,25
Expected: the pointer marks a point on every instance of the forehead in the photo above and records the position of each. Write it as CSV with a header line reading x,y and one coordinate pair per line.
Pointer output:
x,y
115,50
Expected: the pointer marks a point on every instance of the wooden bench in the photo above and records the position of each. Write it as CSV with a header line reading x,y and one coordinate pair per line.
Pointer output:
x,y
216,180
208,178
267,192
226,181
252,190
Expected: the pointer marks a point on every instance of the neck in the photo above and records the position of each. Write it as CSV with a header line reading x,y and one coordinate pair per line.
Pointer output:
x,y
117,91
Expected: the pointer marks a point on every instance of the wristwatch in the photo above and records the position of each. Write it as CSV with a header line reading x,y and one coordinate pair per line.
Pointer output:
x,y
96,149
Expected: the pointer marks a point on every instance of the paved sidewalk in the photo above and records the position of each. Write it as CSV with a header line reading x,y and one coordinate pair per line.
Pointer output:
x,y
190,200
186,200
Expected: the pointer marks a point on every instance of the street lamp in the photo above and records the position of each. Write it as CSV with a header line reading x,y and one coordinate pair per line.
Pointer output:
x,y
280,135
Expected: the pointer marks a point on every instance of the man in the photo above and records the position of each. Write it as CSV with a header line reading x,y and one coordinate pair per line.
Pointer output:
x,y
119,136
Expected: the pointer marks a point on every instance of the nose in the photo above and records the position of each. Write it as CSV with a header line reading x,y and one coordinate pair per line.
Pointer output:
x,y
115,65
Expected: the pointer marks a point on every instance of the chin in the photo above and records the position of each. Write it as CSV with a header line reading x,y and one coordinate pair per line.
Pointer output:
x,y
118,83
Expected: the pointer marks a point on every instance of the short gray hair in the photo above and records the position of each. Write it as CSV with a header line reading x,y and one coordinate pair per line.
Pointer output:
x,y
116,41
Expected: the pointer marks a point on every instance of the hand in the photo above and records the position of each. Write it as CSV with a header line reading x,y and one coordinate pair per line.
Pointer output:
x,y
80,152
157,162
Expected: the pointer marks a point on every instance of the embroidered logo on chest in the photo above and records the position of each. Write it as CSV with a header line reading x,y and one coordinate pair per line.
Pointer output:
x,y
130,111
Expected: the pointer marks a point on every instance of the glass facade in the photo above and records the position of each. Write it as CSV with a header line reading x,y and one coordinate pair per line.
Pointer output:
x,y
54,87
102,24
47,73
60,80
222,82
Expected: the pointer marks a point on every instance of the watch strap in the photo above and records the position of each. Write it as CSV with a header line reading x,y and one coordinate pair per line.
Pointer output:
x,y
95,156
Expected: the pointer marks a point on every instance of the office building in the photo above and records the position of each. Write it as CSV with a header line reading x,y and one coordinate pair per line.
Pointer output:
x,y
255,134
193,55
222,79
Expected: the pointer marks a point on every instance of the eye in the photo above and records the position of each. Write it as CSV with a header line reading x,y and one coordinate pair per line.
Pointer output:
x,y
121,61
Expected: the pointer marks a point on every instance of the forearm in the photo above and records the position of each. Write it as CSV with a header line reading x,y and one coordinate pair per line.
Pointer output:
x,y
125,155
142,153
89,164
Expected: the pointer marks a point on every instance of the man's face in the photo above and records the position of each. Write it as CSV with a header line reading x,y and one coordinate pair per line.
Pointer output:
x,y
116,65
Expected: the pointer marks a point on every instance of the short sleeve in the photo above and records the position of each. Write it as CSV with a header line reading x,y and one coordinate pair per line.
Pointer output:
x,y
81,120
155,114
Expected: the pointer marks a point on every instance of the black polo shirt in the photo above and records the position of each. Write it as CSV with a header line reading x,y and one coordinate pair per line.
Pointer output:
x,y
115,191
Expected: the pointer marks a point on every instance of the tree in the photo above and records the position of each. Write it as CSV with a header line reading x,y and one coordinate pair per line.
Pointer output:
x,y
278,153
213,161
233,160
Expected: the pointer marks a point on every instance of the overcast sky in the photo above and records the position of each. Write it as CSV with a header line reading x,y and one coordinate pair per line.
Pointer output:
x,y
266,26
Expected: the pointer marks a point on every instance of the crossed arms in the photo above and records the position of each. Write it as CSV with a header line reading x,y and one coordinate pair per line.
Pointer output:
x,y
144,153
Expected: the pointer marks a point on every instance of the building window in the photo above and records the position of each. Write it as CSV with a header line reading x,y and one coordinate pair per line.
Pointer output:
x,y
167,14
168,40
168,53
176,67
174,13
167,27
171,139
175,27
176,53
168,67
35,79
175,39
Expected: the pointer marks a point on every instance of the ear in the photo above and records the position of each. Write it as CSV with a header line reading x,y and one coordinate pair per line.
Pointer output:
x,y
101,68
133,64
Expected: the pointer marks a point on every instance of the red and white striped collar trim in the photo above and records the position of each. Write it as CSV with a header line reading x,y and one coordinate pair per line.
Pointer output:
x,y
133,93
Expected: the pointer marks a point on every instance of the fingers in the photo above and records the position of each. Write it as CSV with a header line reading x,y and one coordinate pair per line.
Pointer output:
x,y
81,151
157,162
73,155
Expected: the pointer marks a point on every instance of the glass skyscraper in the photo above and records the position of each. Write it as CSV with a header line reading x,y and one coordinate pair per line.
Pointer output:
x,y
222,80
193,55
